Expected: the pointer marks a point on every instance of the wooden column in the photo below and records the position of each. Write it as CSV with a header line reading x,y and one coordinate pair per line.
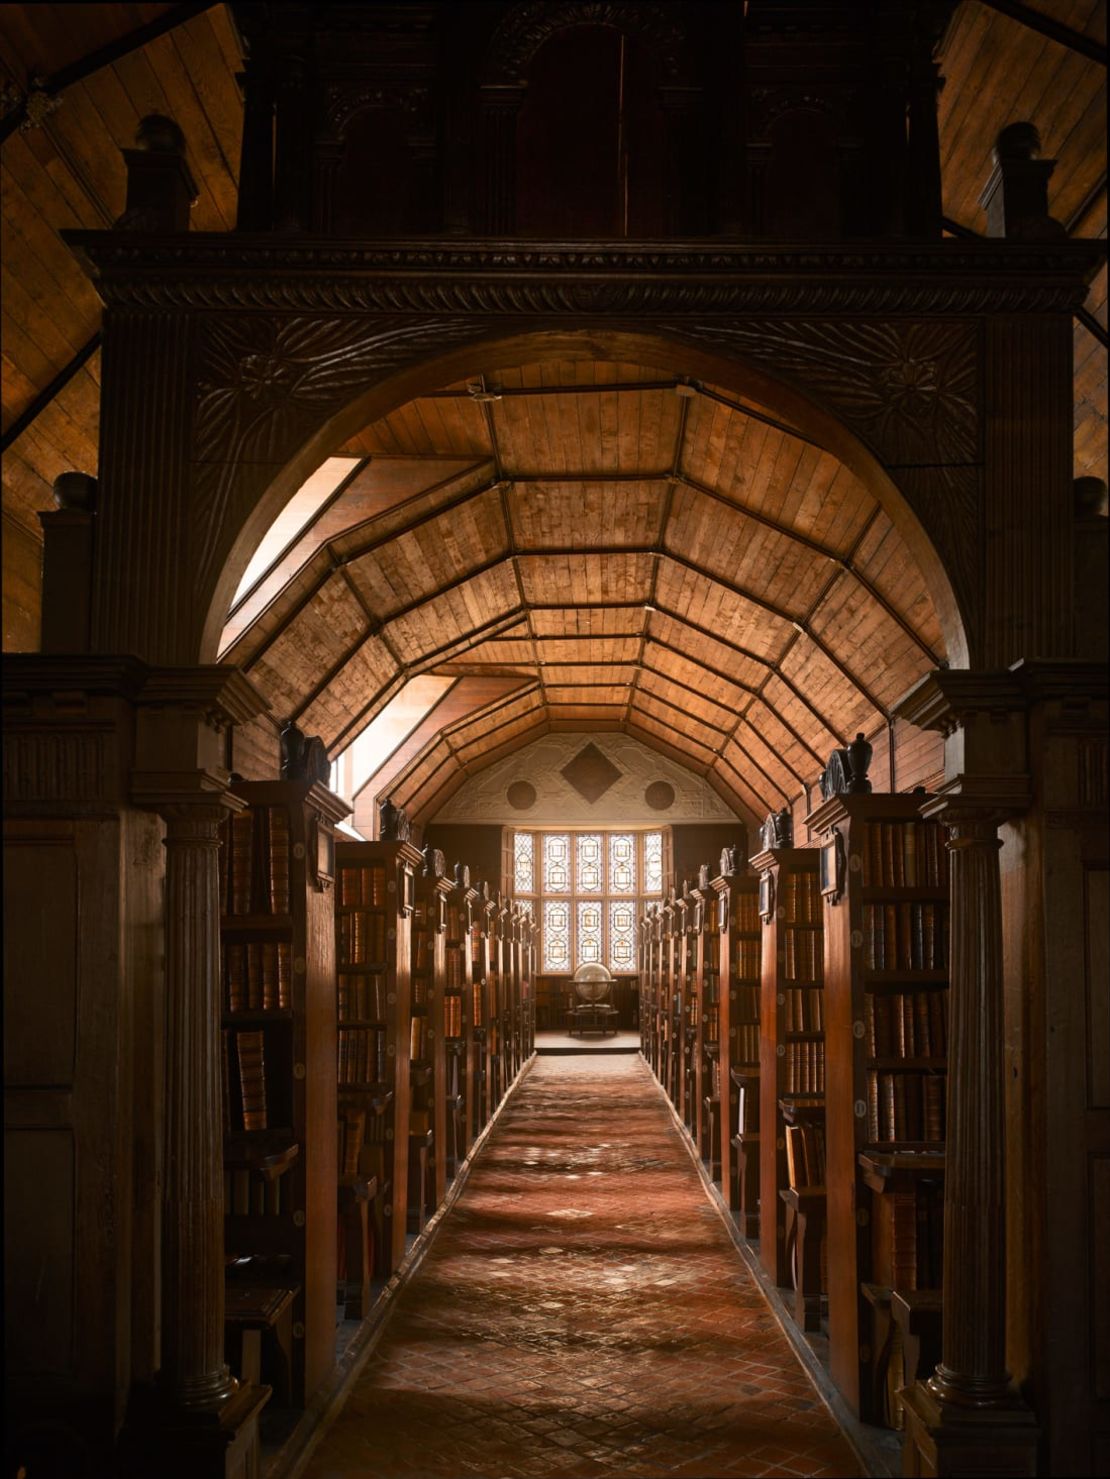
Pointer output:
x,y
972,1371
967,1418
193,1367
500,105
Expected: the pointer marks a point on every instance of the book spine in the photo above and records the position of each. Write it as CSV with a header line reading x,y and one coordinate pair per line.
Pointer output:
x,y
250,1048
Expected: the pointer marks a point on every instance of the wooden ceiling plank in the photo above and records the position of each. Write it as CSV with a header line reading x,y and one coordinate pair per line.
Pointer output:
x,y
1055,30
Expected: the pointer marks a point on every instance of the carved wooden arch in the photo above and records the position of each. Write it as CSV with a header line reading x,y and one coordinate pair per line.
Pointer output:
x,y
527,27
278,395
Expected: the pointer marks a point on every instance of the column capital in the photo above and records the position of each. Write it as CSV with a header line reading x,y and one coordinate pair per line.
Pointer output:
x,y
947,699
182,715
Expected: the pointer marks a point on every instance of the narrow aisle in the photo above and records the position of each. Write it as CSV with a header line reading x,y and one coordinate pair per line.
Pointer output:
x,y
582,1313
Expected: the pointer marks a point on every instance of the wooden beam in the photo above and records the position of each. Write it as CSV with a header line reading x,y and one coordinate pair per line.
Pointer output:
x,y
104,56
1056,31
1092,325
27,417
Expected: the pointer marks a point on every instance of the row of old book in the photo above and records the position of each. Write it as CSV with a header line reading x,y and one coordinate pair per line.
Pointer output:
x,y
258,976
907,1107
418,1038
908,854
746,959
747,1042
805,1154
361,937
805,1066
803,954
248,1194
360,998
452,1016
909,1024
905,937
456,973
362,1055
917,1235
362,886
254,862
804,1009
801,899
243,1063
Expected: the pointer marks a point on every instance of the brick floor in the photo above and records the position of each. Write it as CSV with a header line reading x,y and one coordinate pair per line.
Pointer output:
x,y
582,1313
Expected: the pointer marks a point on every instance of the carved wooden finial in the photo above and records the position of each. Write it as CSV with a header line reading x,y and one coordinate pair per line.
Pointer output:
x,y
75,492
161,190
1015,197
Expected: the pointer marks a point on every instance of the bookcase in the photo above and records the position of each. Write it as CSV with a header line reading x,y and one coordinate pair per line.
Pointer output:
x,y
528,980
738,965
428,1037
374,1001
670,961
481,972
884,876
792,1047
278,1020
706,1052
458,1020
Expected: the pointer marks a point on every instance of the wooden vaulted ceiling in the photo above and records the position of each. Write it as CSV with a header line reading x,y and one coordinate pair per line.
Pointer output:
x,y
470,542
626,549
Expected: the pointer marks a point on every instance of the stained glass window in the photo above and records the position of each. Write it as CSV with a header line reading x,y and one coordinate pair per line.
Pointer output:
x,y
524,865
622,863
556,863
589,861
556,935
622,935
589,933
653,862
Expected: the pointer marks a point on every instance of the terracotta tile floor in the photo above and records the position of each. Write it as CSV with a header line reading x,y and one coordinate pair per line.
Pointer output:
x,y
582,1313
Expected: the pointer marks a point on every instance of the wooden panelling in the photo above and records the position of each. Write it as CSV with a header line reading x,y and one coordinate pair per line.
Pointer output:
x,y
22,588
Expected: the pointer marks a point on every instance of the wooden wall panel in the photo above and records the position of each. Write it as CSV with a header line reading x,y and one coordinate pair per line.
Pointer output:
x,y
22,588
586,515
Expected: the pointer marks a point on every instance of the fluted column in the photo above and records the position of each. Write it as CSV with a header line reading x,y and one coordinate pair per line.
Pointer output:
x,y
972,1370
193,1368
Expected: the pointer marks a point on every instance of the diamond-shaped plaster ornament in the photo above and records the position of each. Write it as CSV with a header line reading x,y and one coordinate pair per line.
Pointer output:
x,y
590,773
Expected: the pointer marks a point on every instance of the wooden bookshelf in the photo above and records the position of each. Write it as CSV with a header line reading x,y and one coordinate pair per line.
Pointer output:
x,y
706,1048
459,1019
685,962
885,877
278,1023
484,1029
428,1041
528,980
792,1050
670,997
374,993
738,956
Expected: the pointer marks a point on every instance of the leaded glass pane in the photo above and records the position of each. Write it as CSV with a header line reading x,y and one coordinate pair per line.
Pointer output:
x,y
622,935
653,862
590,857
524,869
556,863
589,933
622,863
556,935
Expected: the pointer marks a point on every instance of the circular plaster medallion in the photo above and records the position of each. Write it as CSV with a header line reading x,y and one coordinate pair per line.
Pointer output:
x,y
659,795
521,795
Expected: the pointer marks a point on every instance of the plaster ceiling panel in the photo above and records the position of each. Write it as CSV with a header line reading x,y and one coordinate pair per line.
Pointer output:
x,y
585,515
541,763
